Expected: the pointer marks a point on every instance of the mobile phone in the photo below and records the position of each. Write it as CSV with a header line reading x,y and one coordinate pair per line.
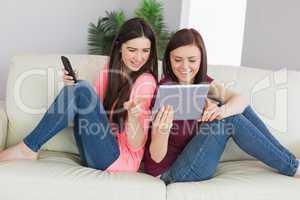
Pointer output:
x,y
68,67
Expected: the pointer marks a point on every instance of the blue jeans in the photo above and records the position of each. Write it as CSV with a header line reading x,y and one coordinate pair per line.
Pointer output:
x,y
80,104
199,159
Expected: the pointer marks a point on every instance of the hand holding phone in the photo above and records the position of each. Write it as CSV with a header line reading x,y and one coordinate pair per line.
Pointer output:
x,y
68,67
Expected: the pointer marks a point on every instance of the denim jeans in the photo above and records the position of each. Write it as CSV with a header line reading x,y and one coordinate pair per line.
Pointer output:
x,y
199,159
80,104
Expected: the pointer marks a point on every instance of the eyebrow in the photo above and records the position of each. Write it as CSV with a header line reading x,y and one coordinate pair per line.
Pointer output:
x,y
136,48
188,57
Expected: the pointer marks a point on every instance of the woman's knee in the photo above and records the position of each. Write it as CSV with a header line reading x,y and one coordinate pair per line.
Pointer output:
x,y
80,85
248,109
234,118
83,87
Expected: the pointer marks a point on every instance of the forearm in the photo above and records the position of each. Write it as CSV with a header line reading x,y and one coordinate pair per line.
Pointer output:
x,y
135,133
233,106
233,103
159,146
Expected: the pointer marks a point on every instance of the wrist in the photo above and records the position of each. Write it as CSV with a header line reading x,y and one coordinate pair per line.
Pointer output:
x,y
161,134
132,118
224,111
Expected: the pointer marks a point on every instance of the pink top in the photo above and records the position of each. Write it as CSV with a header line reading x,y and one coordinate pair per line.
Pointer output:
x,y
144,86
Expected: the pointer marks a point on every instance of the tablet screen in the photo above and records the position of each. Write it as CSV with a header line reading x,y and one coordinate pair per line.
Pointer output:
x,y
188,101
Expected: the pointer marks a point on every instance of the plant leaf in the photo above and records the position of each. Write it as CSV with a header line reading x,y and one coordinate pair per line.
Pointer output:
x,y
100,36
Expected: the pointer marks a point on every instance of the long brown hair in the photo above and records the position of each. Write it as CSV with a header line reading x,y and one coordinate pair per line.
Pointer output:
x,y
118,89
185,37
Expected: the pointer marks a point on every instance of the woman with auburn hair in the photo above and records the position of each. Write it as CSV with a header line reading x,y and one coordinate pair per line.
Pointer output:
x,y
181,151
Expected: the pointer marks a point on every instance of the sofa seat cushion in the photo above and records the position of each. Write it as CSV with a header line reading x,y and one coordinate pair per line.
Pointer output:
x,y
60,176
247,180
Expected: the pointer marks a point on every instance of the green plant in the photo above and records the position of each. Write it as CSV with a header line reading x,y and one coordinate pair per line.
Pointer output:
x,y
101,35
152,12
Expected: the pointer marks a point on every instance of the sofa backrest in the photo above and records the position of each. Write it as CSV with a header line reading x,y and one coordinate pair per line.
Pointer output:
x,y
34,82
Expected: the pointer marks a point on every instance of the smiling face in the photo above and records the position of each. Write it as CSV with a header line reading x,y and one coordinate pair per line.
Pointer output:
x,y
185,63
135,53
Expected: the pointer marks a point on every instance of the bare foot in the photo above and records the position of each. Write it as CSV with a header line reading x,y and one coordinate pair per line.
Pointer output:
x,y
18,152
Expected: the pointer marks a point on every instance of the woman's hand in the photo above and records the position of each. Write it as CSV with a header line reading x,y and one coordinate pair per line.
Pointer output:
x,y
161,128
136,134
211,111
163,121
134,108
68,80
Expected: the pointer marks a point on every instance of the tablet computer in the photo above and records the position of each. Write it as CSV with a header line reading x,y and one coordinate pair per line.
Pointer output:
x,y
188,101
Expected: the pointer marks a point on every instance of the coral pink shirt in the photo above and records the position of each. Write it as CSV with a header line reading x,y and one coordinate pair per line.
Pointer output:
x,y
144,86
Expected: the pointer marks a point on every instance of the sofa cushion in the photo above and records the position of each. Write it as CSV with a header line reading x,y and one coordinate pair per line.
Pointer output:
x,y
57,176
247,180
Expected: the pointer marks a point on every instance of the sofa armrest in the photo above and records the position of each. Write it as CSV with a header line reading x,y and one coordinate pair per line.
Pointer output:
x,y
3,125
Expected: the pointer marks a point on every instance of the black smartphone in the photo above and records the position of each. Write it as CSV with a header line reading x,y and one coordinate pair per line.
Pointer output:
x,y
68,67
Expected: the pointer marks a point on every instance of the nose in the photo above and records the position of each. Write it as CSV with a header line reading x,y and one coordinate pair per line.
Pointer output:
x,y
139,57
185,64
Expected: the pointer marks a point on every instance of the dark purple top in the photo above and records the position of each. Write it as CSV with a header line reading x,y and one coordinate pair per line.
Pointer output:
x,y
181,133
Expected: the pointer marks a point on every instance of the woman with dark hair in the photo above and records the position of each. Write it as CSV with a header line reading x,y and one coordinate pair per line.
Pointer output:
x,y
180,151
110,135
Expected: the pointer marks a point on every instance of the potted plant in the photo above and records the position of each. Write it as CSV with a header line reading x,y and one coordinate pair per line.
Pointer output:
x,y
101,35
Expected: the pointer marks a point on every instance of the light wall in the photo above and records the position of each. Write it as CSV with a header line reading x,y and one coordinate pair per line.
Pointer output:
x,y
47,26
54,26
272,34
221,24
172,11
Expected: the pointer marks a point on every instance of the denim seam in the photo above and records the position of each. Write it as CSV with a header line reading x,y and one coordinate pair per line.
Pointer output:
x,y
276,143
57,122
193,162
34,145
114,147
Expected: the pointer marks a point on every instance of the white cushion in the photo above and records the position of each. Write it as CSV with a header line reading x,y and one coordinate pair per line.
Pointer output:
x,y
57,176
246,180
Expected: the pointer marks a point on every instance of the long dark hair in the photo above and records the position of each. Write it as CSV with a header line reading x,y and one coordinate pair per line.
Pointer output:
x,y
185,37
119,87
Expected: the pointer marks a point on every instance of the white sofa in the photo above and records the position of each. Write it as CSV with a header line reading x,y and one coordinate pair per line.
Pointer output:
x,y
32,85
